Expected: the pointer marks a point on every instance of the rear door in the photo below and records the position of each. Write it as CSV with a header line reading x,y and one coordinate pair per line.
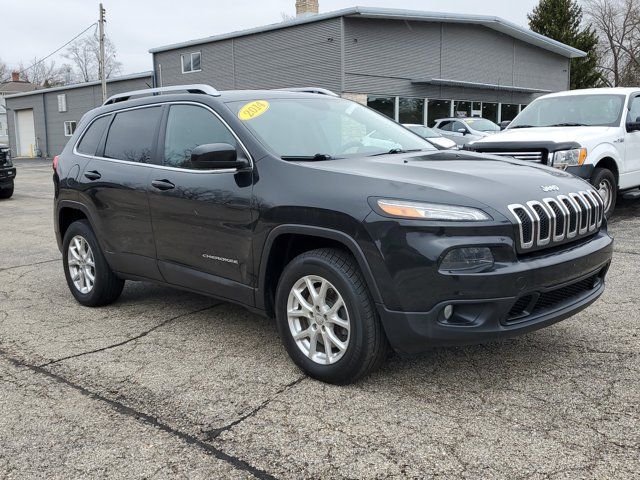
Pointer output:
x,y
202,219
115,182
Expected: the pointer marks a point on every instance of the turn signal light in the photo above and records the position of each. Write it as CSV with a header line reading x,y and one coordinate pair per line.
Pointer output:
x,y
54,164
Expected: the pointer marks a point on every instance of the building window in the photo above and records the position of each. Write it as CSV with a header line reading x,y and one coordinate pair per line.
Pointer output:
x,y
190,62
437,109
462,109
411,110
62,102
490,111
384,105
508,111
476,109
69,128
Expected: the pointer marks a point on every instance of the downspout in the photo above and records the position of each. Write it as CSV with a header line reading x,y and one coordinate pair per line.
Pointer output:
x,y
46,135
342,57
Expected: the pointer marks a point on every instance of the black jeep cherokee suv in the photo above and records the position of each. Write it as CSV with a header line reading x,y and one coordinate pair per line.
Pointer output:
x,y
7,172
355,233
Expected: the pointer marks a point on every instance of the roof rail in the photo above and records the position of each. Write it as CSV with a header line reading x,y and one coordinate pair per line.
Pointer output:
x,y
318,90
197,88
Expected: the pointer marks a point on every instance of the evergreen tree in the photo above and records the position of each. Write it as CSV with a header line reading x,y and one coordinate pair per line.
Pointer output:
x,y
561,20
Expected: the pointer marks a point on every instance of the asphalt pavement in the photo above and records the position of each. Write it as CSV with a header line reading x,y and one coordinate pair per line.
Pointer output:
x,y
168,384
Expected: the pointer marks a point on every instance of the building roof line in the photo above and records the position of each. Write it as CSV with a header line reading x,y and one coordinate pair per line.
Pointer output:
x,y
446,82
133,76
492,22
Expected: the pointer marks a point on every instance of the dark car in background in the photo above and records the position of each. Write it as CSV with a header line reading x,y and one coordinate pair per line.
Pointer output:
x,y
285,202
7,172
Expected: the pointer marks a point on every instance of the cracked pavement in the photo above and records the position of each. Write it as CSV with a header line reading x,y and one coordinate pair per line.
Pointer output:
x,y
168,384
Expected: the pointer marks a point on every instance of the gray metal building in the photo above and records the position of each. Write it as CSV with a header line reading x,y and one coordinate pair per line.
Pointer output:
x,y
41,122
413,66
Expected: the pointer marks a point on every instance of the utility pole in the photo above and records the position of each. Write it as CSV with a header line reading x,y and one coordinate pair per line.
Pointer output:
x,y
101,63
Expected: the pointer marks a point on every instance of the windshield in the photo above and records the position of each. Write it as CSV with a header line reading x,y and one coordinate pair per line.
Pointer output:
x,y
323,127
572,110
482,125
424,132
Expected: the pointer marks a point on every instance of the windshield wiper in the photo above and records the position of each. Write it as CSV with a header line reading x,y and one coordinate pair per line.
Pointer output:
x,y
522,126
395,151
318,157
569,124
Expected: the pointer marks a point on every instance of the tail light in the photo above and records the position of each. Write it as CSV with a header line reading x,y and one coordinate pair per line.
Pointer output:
x,y
54,164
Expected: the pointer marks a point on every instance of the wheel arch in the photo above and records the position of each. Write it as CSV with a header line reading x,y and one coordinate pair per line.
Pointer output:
x,y
611,164
69,212
287,241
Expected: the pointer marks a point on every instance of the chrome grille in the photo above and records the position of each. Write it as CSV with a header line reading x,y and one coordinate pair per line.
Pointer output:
x,y
554,219
529,156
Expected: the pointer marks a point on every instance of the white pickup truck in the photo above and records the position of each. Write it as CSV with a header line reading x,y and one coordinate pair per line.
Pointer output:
x,y
593,133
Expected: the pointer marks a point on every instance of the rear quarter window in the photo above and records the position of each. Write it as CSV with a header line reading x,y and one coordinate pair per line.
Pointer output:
x,y
91,139
132,135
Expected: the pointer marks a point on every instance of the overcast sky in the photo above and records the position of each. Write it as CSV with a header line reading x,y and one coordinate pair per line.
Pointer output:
x,y
34,28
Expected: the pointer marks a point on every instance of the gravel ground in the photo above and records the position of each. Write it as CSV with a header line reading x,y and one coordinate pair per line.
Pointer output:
x,y
170,384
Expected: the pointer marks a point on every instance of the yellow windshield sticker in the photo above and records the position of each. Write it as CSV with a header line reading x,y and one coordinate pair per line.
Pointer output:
x,y
253,109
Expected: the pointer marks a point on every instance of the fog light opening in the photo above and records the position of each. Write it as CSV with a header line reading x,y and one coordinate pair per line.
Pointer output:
x,y
448,312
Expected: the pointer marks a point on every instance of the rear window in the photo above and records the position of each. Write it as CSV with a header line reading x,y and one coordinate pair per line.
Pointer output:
x,y
132,135
91,138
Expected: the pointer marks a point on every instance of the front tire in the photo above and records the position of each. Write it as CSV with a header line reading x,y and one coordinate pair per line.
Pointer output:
x,y
327,319
88,275
605,183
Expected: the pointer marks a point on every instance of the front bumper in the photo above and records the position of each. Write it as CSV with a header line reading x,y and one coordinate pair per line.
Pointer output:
x,y
7,174
537,292
583,171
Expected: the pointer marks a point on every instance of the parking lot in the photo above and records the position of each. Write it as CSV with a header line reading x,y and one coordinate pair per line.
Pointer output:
x,y
170,384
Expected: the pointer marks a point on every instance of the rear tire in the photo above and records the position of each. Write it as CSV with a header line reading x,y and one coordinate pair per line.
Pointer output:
x,y
349,340
6,192
89,277
605,183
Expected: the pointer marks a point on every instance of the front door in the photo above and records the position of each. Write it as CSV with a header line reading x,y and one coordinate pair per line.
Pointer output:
x,y
202,219
631,166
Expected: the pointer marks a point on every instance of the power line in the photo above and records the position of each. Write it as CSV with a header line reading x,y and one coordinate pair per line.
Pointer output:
x,y
54,52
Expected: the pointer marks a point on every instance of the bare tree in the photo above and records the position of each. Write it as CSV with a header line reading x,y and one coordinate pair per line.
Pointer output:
x,y
42,73
618,25
4,71
84,54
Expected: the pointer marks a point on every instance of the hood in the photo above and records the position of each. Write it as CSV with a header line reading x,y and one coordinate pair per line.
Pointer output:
x,y
548,134
459,178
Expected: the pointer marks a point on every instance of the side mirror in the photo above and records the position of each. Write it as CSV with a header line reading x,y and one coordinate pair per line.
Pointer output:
x,y
504,124
463,131
216,156
633,126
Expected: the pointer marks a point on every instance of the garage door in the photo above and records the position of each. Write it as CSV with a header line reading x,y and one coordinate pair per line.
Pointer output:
x,y
26,133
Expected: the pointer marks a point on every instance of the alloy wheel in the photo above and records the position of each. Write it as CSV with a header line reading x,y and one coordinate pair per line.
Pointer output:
x,y
318,320
81,264
605,190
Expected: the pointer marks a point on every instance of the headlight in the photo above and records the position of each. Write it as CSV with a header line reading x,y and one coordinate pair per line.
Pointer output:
x,y
431,211
469,259
569,158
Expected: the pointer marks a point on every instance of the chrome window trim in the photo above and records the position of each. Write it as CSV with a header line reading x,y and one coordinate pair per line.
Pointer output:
x,y
541,242
571,233
548,201
163,167
512,208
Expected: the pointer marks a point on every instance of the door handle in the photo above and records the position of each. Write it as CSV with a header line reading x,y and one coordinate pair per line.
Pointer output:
x,y
163,184
93,175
